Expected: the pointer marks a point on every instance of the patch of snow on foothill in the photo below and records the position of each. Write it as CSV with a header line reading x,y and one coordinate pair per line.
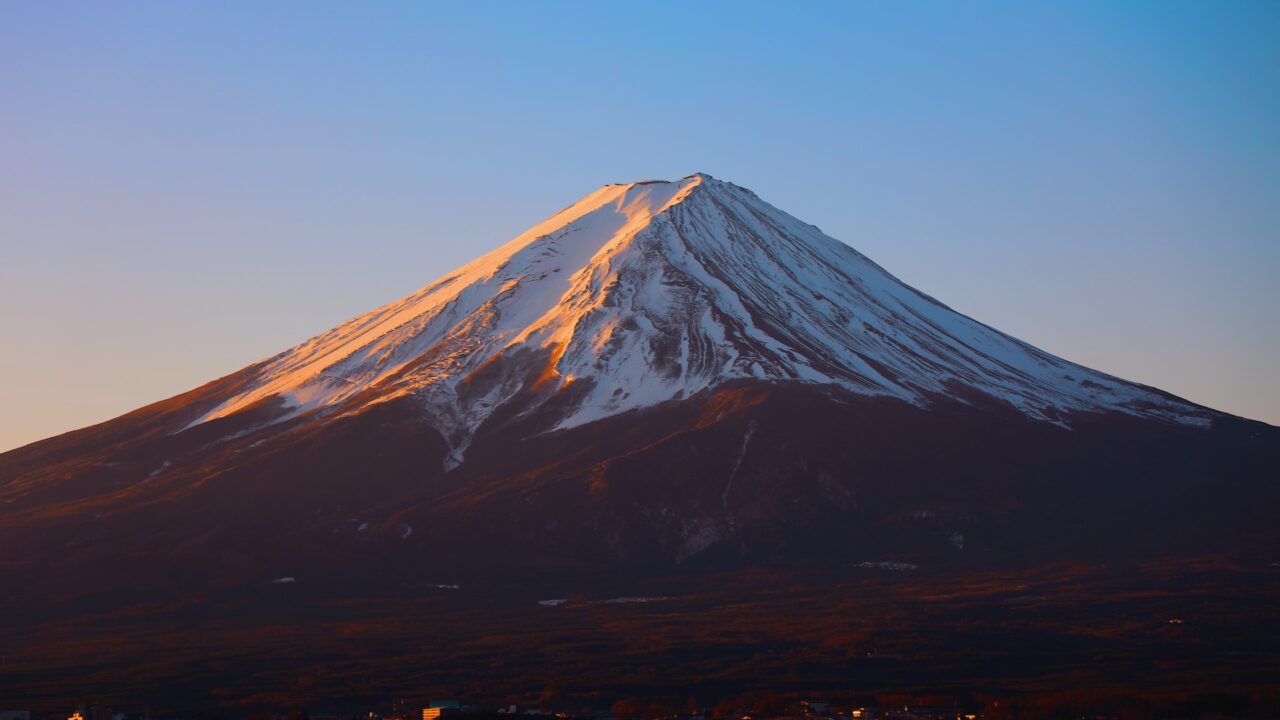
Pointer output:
x,y
154,473
888,565
557,602
658,290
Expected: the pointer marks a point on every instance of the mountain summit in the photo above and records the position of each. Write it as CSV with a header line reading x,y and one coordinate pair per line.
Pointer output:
x,y
653,291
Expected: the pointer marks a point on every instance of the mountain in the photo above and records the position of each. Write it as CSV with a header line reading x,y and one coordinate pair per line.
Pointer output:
x,y
664,379
649,292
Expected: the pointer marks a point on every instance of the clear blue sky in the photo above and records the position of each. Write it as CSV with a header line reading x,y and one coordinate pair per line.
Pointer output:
x,y
186,188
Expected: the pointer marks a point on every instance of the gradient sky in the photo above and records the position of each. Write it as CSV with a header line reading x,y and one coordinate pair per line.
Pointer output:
x,y
186,188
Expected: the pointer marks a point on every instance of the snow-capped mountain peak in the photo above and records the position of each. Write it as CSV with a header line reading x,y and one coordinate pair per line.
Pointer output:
x,y
651,291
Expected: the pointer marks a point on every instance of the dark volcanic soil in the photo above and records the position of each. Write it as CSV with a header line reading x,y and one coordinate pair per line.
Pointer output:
x,y
1175,626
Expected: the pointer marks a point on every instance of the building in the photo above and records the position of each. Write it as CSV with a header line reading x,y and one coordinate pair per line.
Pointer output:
x,y
15,715
442,707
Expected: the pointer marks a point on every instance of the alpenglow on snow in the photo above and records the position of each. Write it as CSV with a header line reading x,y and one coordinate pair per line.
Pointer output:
x,y
653,291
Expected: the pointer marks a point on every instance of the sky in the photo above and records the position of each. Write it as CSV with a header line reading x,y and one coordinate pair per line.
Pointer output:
x,y
187,188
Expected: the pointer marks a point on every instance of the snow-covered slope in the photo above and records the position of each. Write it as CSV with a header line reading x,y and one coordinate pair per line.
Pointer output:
x,y
653,291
